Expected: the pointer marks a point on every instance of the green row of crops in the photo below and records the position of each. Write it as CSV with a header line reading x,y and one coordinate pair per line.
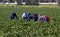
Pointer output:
x,y
21,28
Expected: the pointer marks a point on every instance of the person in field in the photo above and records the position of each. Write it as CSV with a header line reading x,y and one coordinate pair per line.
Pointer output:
x,y
29,16
25,15
13,16
43,18
34,17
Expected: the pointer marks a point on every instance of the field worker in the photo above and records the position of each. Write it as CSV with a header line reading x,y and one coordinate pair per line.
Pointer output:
x,y
13,16
34,17
29,16
25,16
43,18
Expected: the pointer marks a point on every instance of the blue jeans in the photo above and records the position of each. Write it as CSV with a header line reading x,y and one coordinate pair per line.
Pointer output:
x,y
12,18
47,20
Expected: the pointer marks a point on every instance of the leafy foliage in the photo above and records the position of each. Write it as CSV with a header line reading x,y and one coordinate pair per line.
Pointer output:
x,y
19,28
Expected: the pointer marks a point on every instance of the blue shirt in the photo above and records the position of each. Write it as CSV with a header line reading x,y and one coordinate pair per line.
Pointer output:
x,y
24,15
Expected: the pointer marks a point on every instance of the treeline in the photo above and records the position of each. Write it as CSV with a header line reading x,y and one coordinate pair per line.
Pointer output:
x,y
36,2
11,1
3,0
30,2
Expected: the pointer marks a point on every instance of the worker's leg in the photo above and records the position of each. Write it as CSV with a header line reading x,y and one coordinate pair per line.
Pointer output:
x,y
47,20
12,17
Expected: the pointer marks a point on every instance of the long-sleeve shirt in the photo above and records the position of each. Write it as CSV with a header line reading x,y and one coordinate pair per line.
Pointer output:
x,y
24,15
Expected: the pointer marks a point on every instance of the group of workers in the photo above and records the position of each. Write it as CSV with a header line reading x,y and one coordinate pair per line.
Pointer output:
x,y
29,16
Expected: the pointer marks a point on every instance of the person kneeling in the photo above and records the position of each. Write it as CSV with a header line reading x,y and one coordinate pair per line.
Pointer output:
x,y
25,16
13,16
43,18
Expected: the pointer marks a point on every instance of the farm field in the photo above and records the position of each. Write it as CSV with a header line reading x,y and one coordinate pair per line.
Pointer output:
x,y
20,28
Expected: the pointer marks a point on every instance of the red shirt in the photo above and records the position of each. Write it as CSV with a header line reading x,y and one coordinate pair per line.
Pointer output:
x,y
46,17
